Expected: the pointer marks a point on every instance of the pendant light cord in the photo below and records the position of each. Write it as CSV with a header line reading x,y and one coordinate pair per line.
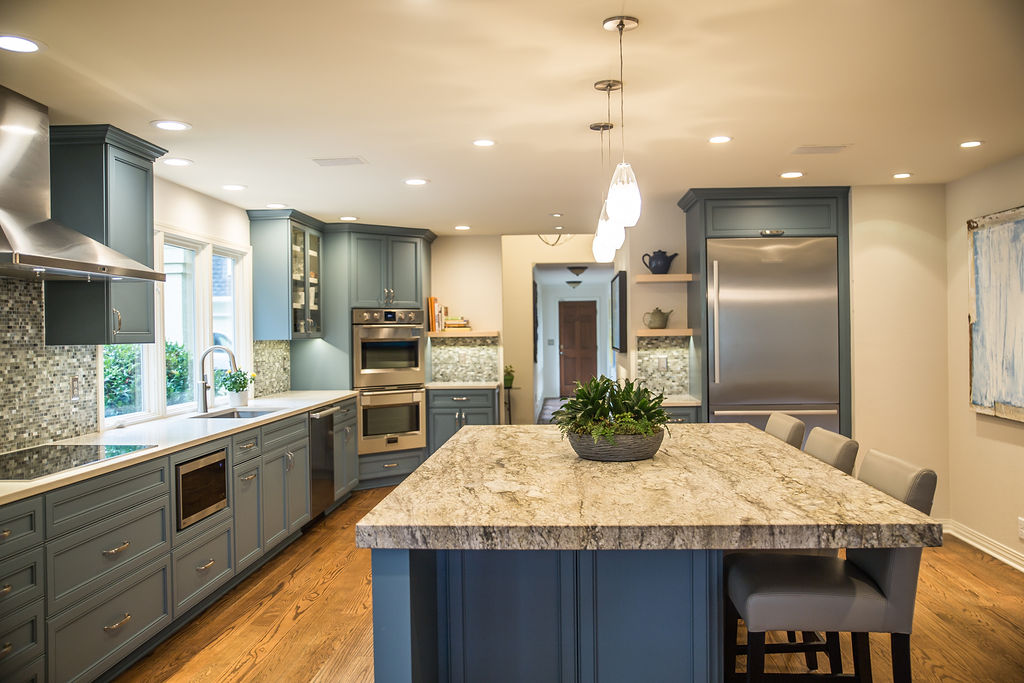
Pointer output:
x,y
622,95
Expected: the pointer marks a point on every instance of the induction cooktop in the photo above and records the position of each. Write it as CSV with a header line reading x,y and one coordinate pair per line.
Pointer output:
x,y
39,461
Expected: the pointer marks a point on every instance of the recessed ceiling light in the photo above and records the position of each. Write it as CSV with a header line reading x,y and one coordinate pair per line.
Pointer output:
x,y
178,161
18,44
416,181
719,139
792,174
276,205
347,218
558,227
483,142
971,143
170,125
462,227
901,176
556,215
233,188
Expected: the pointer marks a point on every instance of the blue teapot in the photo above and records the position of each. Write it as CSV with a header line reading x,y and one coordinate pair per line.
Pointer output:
x,y
658,262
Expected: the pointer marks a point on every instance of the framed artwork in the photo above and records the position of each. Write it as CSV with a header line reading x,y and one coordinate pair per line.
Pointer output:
x,y
996,307
618,301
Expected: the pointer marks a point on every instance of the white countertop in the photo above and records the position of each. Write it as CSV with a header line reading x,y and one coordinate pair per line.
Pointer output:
x,y
463,385
169,435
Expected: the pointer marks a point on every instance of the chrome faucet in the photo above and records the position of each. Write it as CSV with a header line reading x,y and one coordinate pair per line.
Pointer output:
x,y
203,385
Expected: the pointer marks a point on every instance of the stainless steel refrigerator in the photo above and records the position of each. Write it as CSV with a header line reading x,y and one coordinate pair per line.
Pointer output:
x,y
773,318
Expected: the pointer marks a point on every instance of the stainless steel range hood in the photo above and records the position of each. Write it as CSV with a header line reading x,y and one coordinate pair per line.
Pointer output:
x,y
32,246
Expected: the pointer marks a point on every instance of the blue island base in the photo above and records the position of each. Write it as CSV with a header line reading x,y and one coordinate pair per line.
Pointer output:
x,y
547,615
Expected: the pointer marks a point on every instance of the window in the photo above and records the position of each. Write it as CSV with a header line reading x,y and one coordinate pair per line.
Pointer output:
x,y
224,331
179,324
122,380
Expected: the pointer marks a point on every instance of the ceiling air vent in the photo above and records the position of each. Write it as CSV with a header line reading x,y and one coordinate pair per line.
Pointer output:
x,y
341,161
819,149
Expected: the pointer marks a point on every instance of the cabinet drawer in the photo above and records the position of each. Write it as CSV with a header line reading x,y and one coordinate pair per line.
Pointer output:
x,y
93,635
682,414
21,638
21,526
34,672
246,445
387,464
21,580
475,398
201,566
285,432
748,217
88,561
96,499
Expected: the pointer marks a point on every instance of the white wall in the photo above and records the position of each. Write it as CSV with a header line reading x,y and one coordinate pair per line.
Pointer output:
x,y
986,454
550,295
466,277
898,302
193,213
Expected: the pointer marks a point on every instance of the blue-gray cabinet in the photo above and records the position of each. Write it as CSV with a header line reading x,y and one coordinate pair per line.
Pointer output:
x,y
450,410
22,638
346,455
386,270
683,414
101,184
247,485
285,473
202,565
287,256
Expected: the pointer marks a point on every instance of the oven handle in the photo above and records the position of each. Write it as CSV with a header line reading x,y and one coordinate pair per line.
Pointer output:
x,y
386,392
390,331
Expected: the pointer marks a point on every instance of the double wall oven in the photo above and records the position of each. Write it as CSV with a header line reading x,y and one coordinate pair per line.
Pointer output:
x,y
388,351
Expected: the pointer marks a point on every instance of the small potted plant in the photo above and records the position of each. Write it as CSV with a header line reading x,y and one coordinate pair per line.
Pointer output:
x,y
237,384
615,422
510,376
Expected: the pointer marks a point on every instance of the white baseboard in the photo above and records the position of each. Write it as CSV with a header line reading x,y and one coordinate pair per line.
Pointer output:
x,y
1001,552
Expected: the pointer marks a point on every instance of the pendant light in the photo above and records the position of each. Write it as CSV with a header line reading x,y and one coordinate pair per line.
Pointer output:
x,y
608,231
623,192
603,251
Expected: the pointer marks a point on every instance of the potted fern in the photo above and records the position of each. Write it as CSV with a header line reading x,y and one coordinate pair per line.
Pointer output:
x,y
608,421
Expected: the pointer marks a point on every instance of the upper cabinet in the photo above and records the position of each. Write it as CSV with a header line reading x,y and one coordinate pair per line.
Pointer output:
x,y
101,183
287,259
387,270
767,212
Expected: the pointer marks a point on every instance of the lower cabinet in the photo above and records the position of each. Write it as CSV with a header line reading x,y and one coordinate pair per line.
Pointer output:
x,y
33,672
449,410
88,638
683,414
285,492
201,566
247,484
21,638
346,455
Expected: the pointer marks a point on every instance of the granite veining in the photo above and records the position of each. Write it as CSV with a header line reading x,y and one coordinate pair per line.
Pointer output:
x,y
464,359
710,486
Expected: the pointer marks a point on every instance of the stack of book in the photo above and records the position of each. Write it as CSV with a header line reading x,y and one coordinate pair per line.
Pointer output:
x,y
455,322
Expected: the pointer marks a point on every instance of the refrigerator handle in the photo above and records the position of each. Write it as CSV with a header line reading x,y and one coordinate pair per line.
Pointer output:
x,y
714,308
780,410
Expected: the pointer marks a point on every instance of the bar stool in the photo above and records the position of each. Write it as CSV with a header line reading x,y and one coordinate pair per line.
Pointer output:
x,y
834,449
872,590
787,428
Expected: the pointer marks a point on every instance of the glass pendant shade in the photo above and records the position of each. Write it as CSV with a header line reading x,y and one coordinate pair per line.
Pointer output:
x,y
610,231
624,196
603,250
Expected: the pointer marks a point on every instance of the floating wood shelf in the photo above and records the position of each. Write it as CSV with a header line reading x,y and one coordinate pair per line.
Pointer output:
x,y
464,333
666,332
666,277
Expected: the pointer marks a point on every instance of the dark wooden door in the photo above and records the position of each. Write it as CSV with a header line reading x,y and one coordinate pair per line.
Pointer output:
x,y
577,343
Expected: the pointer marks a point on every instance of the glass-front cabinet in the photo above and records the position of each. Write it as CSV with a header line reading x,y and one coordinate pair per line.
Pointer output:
x,y
306,293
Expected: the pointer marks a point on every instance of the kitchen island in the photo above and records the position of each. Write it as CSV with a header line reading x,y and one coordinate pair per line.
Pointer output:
x,y
505,557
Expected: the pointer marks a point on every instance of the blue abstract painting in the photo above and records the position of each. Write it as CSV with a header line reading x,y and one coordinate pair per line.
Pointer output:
x,y
997,314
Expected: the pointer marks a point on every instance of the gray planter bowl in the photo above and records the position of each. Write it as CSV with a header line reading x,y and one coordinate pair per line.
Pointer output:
x,y
627,447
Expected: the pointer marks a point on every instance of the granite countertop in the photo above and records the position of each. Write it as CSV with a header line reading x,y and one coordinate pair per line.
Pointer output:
x,y
680,400
463,385
169,435
711,486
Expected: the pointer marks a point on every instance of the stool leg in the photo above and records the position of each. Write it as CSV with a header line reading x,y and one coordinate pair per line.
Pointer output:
x,y
791,636
835,654
729,646
755,656
810,658
900,657
861,657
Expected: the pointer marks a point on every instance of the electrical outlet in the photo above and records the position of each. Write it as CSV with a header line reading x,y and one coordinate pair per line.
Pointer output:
x,y
663,363
1020,528
74,388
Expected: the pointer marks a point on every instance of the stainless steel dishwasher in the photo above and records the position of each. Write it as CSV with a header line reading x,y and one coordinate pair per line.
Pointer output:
x,y
321,461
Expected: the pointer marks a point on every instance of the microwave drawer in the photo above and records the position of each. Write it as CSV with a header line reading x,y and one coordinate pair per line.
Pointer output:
x,y
388,464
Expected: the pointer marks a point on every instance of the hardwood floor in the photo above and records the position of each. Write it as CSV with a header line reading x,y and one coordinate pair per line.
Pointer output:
x,y
306,616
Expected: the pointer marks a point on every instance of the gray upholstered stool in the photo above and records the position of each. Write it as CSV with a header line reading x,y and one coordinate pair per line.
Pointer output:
x,y
872,590
787,428
834,449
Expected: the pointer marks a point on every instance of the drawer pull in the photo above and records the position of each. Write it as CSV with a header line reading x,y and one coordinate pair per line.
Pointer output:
x,y
772,233
460,398
115,551
206,566
4,534
114,627
391,464
247,446
6,650
249,477
5,590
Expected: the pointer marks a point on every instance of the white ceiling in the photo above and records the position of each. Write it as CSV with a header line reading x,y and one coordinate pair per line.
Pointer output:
x,y
556,274
408,84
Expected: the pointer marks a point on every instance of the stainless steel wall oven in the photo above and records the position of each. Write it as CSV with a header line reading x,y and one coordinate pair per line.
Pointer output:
x,y
392,420
388,347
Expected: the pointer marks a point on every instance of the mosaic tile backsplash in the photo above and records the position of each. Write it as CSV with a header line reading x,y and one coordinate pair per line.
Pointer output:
x,y
464,359
272,363
652,355
35,400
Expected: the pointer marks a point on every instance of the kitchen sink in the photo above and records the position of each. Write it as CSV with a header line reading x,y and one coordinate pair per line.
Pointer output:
x,y
234,414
